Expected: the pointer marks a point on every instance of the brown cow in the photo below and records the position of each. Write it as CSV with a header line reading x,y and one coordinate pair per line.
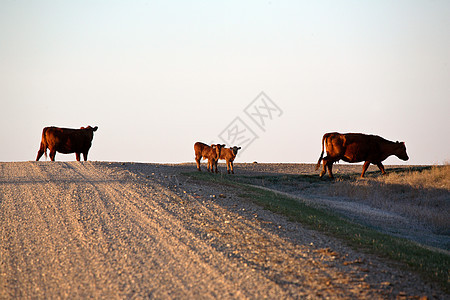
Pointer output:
x,y
357,147
66,140
212,153
229,154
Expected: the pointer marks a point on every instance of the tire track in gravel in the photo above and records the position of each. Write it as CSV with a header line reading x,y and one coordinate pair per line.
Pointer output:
x,y
201,254
143,219
93,234
100,230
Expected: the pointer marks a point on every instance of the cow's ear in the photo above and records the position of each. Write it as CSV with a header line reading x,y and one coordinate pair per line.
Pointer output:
x,y
95,128
239,148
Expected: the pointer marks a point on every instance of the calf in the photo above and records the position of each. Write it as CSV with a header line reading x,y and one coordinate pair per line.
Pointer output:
x,y
229,154
212,153
357,147
66,140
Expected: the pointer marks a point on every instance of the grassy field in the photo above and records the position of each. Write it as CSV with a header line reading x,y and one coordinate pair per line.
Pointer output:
x,y
426,187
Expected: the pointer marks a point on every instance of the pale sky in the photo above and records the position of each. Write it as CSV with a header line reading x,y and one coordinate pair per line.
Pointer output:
x,y
157,76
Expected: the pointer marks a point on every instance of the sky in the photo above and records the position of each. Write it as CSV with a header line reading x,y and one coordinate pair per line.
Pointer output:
x,y
271,76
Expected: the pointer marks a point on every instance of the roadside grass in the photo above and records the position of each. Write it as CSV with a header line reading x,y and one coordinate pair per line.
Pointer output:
x,y
421,193
432,265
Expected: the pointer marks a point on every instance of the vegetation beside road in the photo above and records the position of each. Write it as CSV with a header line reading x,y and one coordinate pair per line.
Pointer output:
x,y
432,265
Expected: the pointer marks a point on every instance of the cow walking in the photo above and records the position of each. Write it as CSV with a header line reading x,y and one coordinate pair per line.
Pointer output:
x,y
357,147
212,153
66,140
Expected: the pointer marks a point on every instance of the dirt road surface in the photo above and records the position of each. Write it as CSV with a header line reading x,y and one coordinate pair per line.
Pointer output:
x,y
113,231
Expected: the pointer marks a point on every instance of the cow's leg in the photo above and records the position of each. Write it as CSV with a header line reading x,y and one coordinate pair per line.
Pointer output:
x,y
77,155
330,168
208,165
197,160
215,164
228,166
85,155
232,167
39,155
40,152
381,167
365,166
52,154
324,170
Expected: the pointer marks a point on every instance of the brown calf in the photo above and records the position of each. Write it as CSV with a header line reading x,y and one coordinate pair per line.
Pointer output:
x,y
357,147
212,153
66,140
229,154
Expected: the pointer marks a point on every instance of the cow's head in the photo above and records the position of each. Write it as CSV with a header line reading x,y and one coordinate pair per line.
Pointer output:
x,y
89,131
235,149
400,151
219,149
90,128
216,150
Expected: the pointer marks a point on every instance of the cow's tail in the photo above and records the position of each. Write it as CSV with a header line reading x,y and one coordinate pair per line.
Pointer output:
x,y
321,154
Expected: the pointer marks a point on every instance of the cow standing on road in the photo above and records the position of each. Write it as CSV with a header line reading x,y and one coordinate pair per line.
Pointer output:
x,y
229,154
212,153
66,140
357,147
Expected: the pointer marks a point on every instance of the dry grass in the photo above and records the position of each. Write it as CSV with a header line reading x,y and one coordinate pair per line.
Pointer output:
x,y
422,194
432,264
438,177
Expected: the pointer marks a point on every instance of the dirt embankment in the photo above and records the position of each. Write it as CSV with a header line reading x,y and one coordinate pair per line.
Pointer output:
x,y
111,230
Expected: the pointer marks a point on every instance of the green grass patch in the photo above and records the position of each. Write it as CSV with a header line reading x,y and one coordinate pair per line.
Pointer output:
x,y
432,265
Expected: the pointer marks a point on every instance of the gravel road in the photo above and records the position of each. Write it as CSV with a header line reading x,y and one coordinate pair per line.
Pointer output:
x,y
124,230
